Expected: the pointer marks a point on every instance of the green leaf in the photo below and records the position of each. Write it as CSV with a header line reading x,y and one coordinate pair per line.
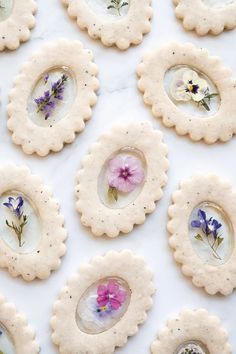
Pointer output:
x,y
211,95
199,237
124,4
110,7
220,240
1,352
113,193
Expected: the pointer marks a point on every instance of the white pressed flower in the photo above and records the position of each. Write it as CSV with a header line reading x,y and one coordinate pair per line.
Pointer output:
x,y
88,315
188,85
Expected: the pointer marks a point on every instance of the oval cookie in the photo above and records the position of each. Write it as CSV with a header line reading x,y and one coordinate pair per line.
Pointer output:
x,y
31,228
16,336
202,232
115,22
192,331
52,97
16,21
102,304
206,16
190,86
121,179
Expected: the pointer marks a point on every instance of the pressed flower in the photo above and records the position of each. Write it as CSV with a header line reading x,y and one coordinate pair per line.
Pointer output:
x,y
117,5
192,349
124,175
46,78
209,231
16,205
187,85
48,102
110,296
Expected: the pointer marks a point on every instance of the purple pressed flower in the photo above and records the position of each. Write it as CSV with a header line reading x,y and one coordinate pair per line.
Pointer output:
x,y
209,226
15,205
209,231
125,174
46,77
47,103
201,219
213,227
111,295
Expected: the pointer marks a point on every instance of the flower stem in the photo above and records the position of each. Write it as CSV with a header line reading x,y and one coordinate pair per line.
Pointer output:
x,y
215,253
117,5
206,241
18,229
208,97
113,193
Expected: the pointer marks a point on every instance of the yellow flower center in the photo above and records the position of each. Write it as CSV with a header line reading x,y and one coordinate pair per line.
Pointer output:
x,y
190,87
103,308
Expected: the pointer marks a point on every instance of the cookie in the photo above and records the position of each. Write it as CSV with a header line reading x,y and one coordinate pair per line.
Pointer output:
x,y
206,16
192,331
52,97
202,223
31,230
190,91
117,22
121,179
16,21
15,334
103,304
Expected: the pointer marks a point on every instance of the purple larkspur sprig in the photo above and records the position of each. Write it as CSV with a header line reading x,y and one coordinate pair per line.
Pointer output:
x,y
47,103
209,231
16,206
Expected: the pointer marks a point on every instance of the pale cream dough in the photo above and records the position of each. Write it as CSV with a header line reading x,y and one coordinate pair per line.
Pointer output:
x,y
205,19
192,325
127,30
18,329
16,28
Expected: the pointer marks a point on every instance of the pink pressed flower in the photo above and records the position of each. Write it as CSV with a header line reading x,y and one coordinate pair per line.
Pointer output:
x,y
125,174
111,294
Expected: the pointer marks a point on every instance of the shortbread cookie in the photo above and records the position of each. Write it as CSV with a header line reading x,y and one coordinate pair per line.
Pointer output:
x,y
190,91
52,97
31,230
202,227
103,304
114,22
206,16
121,179
16,21
16,337
192,332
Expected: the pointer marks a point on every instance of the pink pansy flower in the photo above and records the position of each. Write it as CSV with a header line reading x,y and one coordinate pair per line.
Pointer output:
x,y
125,174
111,295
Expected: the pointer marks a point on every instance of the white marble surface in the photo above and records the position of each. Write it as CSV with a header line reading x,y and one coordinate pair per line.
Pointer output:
x,y
119,100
